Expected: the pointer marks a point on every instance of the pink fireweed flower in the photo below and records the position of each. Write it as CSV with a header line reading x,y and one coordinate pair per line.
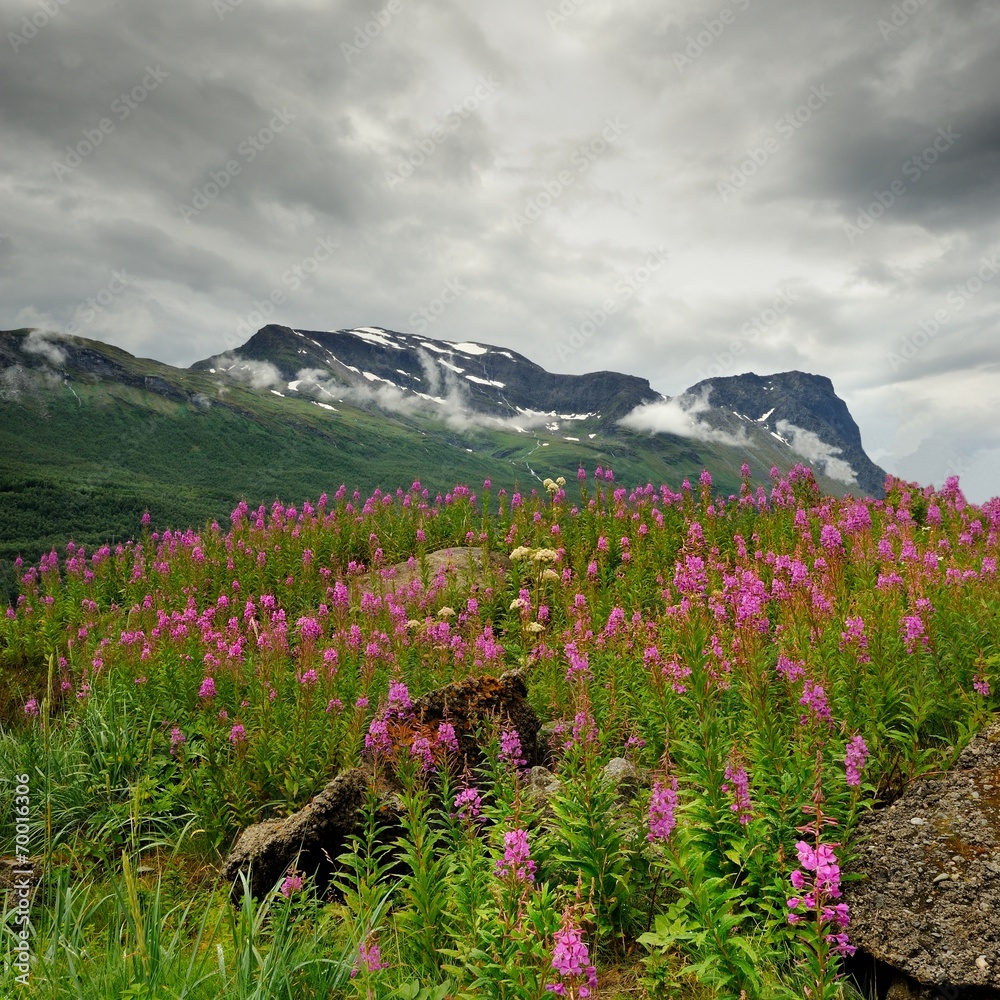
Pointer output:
x,y
854,635
516,860
571,961
293,883
177,737
740,789
468,804
980,684
309,628
791,670
308,678
421,750
369,956
584,731
855,759
822,885
914,631
207,689
510,748
237,734
31,707
830,538
662,809
446,737
399,698
579,665
377,740
814,698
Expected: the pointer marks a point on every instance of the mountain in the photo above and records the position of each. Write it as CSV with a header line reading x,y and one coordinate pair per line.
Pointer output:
x,y
482,378
91,436
802,410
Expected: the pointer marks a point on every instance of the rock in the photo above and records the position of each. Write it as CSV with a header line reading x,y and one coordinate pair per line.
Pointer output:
x,y
468,563
314,837
904,988
16,877
550,741
623,775
928,903
310,839
470,703
542,787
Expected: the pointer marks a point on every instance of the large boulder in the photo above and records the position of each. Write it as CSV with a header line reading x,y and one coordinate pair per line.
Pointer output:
x,y
308,840
928,903
313,838
469,564
476,702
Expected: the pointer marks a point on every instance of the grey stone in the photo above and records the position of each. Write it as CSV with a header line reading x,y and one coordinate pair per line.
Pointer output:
x,y
470,564
623,775
314,837
900,913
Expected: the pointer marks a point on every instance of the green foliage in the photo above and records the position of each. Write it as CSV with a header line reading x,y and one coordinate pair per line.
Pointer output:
x,y
162,695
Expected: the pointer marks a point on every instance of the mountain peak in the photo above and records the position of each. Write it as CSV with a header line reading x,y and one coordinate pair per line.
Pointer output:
x,y
803,410
478,377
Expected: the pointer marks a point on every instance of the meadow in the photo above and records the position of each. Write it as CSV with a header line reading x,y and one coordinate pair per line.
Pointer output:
x,y
773,662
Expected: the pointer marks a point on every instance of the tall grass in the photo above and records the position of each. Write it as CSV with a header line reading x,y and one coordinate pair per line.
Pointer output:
x,y
761,659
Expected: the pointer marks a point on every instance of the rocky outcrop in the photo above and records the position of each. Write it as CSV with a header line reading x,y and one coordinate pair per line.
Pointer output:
x,y
312,839
308,840
805,401
488,379
470,564
928,902
468,704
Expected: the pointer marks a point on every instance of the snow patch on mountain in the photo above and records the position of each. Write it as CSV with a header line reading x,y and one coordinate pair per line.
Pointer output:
x,y
373,335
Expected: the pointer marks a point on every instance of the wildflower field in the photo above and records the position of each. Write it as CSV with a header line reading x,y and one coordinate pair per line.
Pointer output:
x,y
773,663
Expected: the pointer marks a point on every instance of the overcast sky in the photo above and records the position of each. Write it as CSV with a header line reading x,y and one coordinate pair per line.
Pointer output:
x,y
669,189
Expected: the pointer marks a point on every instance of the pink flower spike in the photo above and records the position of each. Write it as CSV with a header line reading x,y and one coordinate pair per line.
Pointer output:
x,y
510,748
855,759
292,883
516,859
662,806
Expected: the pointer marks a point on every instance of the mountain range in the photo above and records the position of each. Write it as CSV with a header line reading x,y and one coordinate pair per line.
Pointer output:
x,y
91,436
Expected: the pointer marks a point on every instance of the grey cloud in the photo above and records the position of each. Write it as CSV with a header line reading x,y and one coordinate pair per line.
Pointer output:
x,y
324,175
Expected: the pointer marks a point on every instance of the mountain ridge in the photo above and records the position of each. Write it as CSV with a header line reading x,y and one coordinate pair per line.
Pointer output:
x,y
91,436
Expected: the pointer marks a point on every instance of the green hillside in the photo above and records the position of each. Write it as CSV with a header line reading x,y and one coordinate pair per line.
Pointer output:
x,y
85,453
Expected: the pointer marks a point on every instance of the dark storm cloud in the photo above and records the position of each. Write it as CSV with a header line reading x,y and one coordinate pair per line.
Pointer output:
x,y
448,146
